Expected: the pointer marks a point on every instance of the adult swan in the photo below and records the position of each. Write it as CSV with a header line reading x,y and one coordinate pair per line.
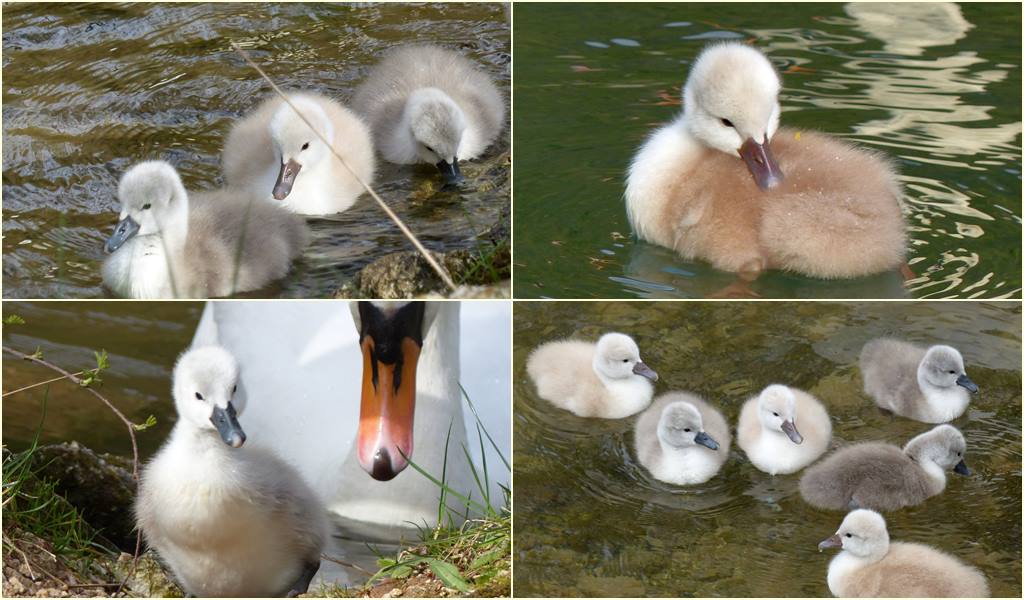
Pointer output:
x,y
335,390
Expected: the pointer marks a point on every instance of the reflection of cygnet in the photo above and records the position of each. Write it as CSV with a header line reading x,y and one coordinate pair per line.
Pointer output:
x,y
783,430
925,385
869,565
606,379
682,439
882,477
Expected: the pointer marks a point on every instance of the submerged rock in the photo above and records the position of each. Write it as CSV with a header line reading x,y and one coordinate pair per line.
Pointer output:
x,y
408,275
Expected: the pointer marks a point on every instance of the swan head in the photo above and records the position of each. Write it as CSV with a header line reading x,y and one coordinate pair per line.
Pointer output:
x,y
944,445
618,357
391,336
152,197
863,534
681,426
206,392
436,124
297,145
731,104
776,408
943,367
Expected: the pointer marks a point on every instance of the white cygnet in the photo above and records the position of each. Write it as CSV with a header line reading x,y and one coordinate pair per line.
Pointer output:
x,y
681,439
783,429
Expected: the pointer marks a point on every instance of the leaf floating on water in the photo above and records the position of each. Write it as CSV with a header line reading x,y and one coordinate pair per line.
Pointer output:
x,y
13,320
799,69
583,69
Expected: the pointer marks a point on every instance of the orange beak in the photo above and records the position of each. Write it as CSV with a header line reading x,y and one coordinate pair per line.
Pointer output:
x,y
391,350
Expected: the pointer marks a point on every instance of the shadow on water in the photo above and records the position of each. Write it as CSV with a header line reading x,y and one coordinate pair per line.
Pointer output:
x,y
91,89
590,521
935,87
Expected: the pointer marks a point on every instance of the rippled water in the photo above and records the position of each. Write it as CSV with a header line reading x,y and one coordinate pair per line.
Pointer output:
x,y
589,520
936,87
88,90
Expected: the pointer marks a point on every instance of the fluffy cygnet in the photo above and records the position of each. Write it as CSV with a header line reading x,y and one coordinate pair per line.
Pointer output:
x,y
723,183
430,105
782,430
682,439
882,477
274,152
606,379
870,566
928,385
170,244
228,520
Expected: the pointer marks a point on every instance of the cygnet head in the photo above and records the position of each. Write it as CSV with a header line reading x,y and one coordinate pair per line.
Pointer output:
x,y
618,357
943,445
437,123
152,198
777,411
297,145
863,534
731,104
205,392
943,367
681,426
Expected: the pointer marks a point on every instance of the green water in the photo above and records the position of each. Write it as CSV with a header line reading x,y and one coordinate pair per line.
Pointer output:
x,y
90,89
589,520
939,93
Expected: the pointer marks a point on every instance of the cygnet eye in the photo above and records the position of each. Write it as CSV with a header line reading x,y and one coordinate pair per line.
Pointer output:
x,y
234,389
727,123
952,372
305,146
429,149
147,205
849,535
625,360
199,396
959,453
775,413
687,430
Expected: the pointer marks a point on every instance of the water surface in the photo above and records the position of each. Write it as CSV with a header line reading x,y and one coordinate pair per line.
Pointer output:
x,y
934,87
91,89
590,521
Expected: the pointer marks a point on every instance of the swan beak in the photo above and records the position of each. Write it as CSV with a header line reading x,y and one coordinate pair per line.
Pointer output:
x,y
761,163
965,382
789,428
961,468
706,440
832,542
226,422
391,347
641,369
450,171
125,230
286,179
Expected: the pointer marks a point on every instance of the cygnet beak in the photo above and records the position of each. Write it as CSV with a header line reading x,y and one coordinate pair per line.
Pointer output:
x,y
705,440
789,428
286,179
965,382
833,542
450,171
761,163
125,230
961,468
226,422
641,369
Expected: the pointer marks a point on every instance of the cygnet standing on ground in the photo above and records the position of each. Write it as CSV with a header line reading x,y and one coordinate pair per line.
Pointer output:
x,y
606,379
928,385
228,520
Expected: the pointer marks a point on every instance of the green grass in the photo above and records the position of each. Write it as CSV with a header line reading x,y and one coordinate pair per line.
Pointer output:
x,y
32,505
